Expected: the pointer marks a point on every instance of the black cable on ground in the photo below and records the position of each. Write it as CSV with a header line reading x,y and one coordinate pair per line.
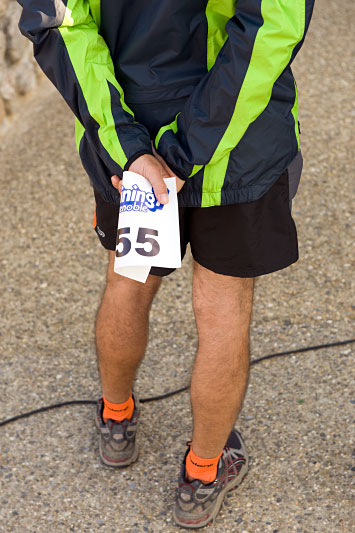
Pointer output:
x,y
177,391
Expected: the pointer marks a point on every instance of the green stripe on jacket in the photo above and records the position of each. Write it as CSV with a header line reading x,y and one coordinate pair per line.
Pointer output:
x,y
272,52
93,67
218,12
282,29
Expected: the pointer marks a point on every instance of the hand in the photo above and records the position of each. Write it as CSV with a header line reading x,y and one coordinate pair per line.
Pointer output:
x,y
179,183
148,166
155,170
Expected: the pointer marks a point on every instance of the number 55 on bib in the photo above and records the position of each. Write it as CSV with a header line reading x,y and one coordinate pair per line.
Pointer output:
x,y
148,232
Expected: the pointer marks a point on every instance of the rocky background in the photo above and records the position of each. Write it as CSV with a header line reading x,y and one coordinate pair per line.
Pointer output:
x,y
19,72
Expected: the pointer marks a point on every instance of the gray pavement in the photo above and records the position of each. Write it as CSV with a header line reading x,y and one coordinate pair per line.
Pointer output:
x,y
298,410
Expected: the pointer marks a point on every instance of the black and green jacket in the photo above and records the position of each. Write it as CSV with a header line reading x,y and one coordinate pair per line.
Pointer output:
x,y
208,80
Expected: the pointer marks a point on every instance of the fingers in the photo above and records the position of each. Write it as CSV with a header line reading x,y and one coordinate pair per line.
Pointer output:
x,y
149,167
157,182
155,170
117,183
162,161
159,187
179,184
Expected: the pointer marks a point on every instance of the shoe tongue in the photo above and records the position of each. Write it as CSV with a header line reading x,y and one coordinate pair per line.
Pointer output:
x,y
118,428
118,436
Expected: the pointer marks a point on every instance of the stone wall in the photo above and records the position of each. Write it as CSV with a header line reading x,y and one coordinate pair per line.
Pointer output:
x,y
19,72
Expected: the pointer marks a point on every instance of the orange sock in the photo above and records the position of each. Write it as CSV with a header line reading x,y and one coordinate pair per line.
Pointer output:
x,y
118,411
200,468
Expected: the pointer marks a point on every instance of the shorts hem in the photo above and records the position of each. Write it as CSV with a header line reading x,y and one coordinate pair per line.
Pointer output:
x,y
103,243
250,273
163,272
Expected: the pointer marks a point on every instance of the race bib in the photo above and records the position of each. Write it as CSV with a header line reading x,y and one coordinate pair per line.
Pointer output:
x,y
148,231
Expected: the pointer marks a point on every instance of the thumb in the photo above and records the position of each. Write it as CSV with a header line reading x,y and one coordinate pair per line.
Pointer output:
x,y
156,179
160,190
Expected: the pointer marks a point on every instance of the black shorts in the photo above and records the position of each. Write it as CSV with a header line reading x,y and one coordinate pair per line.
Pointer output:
x,y
243,240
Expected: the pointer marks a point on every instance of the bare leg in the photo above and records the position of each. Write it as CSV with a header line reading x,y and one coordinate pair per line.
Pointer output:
x,y
222,306
122,331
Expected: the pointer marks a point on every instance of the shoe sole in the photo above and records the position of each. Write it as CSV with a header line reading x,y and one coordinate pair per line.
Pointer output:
x,y
235,484
113,462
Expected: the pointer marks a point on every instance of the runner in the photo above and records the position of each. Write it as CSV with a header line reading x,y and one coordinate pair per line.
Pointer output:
x,y
201,90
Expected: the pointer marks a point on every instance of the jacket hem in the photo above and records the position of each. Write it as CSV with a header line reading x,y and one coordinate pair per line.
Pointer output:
x,y
238,195
214,198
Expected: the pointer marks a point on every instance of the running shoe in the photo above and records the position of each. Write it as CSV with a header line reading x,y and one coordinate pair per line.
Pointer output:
x,y
117,440
197,504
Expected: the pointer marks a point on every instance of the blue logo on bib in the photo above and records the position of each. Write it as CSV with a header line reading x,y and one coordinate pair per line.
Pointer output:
x,y
136,200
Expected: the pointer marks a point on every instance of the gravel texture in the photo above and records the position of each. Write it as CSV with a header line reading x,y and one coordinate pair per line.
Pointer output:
x,y
297,414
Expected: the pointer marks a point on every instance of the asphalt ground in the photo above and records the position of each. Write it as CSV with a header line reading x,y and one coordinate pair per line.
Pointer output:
x,y
298,410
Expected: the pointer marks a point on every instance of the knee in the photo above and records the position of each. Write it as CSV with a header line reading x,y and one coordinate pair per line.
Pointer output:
x,y
121,285
220,301
208,297
203,305
208,312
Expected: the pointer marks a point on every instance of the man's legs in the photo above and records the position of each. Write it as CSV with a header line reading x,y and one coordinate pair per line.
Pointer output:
x,y
222,306
122,331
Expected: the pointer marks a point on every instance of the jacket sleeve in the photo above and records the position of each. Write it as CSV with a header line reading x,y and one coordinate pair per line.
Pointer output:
x,y
73,55
263,38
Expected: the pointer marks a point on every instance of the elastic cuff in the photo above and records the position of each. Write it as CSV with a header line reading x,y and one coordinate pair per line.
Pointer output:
x,y
135,156
177,172
175,169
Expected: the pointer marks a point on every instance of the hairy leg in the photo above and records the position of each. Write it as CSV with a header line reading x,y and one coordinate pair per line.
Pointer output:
x,y
222,306
122,331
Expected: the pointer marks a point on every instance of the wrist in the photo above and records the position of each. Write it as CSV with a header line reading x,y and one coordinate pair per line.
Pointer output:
x,y
136,155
